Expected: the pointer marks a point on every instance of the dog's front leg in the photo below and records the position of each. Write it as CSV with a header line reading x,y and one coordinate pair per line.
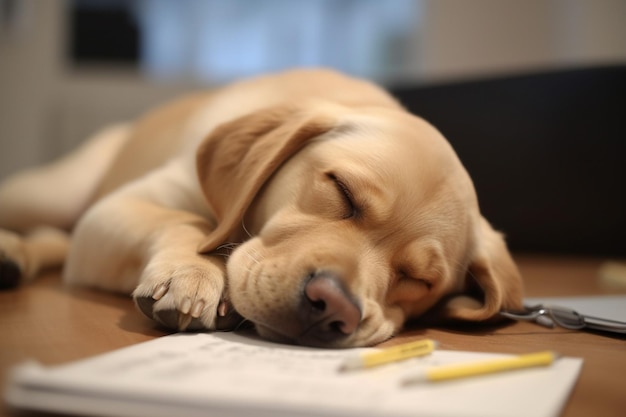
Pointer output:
x,y
23,257
130,244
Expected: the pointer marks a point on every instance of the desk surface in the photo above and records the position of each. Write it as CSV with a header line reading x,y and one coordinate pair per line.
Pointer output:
x,y
55,324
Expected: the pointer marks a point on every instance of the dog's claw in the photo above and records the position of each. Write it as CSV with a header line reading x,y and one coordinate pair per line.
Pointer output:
x,y
159,292
183,321
197,309
187,316
185,307
222,308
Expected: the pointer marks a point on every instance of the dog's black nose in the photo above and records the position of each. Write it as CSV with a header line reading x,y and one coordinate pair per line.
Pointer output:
x,y
327,311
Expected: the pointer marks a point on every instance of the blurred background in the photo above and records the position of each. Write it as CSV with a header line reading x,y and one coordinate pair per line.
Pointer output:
x,y
68,67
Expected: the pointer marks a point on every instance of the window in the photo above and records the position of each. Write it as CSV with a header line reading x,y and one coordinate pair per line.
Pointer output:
x,y
220,40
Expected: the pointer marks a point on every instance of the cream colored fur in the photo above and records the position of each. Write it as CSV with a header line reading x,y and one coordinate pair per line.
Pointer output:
x,y
225,201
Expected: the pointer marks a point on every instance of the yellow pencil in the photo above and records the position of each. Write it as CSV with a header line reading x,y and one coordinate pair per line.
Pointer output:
x,y
388,355
464,370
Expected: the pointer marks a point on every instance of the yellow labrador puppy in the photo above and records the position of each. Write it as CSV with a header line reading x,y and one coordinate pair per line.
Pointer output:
x,y
310,203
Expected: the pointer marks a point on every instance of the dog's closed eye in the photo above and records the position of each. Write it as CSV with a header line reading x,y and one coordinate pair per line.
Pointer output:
x,y
352,208
408,289
407,278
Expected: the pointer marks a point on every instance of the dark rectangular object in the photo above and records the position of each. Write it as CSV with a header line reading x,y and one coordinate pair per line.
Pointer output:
x,y
546,151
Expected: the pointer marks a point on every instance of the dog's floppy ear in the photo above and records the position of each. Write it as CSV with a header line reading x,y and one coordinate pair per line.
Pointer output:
x,y
493,282
238,157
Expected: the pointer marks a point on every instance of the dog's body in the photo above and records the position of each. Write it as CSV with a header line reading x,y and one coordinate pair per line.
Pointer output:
x,y
347,215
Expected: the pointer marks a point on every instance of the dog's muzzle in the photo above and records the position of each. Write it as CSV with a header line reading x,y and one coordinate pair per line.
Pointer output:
x,y
327,312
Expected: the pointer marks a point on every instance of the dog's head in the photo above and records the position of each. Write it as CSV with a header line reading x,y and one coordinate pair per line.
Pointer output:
x,y
352,222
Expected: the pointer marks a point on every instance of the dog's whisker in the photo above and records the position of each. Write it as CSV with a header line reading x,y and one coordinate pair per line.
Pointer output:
x,y
225,250
242,323
228,246
458,266
245,229
254,255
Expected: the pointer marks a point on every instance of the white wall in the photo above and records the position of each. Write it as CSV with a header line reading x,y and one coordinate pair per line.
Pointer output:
x,y
477,38
29,69
45,108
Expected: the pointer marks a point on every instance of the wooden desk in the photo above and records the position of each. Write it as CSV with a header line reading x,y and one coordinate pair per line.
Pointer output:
x,y
54,324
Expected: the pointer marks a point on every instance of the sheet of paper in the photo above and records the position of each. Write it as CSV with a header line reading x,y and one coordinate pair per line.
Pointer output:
x,y
228,374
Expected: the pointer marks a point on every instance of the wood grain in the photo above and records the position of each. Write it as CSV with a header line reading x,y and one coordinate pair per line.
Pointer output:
x,y
56,324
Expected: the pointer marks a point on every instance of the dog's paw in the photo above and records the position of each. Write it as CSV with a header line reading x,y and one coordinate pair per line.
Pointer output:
x,y
186,294
12,260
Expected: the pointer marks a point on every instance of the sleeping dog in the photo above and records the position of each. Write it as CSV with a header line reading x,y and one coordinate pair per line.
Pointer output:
x,y
307,202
